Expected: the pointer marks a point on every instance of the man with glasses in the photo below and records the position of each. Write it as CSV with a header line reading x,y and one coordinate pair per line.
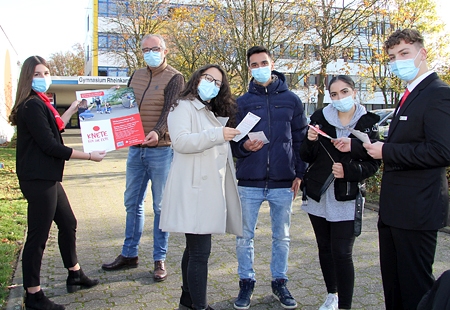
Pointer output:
x,y
269,171
156,87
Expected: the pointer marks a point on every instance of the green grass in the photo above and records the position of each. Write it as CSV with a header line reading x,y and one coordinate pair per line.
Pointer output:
x,y
13,220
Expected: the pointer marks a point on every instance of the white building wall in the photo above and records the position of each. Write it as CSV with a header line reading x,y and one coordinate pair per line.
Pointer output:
x,y
9,75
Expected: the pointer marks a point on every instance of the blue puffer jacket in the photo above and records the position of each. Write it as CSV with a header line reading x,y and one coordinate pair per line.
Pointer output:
x,y
282,119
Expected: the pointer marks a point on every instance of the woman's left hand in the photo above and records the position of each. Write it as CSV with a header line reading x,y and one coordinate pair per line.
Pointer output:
x,y
338,170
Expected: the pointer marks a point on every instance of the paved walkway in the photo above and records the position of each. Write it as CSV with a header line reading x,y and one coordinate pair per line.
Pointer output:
x,y
95,191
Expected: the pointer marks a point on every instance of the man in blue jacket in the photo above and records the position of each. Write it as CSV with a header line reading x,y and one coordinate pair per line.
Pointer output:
x,y
268,172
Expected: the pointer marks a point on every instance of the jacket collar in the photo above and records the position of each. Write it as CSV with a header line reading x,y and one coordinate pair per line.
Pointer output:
x,y
154,71
416,91
278,85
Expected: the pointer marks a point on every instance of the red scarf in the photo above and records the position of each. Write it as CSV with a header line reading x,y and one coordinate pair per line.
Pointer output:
x,y
59,121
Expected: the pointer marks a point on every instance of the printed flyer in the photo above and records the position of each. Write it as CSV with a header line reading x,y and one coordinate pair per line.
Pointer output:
x,y
109,119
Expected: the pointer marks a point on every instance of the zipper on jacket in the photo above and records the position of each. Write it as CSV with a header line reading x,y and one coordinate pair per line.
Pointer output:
x,y
348,189
145,91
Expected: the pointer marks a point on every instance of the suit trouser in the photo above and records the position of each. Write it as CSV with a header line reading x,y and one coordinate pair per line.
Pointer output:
x,y
47,202
406,260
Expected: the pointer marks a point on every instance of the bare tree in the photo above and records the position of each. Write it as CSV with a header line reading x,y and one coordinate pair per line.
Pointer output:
x,y
122,31
335,26
70,63
387,17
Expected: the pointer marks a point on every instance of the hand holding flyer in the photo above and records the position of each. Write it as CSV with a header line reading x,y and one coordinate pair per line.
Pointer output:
x,y
320,132
246,125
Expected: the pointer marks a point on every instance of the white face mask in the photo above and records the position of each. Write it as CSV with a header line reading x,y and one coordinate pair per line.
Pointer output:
x,y
405,69
344,104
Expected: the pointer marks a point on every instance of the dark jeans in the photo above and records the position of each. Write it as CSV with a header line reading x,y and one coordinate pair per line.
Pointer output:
x,y
335,241
47,202
194,268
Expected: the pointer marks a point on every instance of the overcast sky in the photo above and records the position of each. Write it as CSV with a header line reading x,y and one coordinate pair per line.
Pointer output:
x,y
44,27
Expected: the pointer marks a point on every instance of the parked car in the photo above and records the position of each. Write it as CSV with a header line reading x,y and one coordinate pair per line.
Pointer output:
x,y
385,120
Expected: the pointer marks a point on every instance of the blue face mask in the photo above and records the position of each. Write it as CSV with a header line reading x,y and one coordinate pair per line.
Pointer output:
x,y
405,69
41,85
262,74
207,90
153,59
344,104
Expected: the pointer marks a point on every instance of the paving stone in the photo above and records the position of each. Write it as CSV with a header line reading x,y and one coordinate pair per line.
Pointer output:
x,y
95,191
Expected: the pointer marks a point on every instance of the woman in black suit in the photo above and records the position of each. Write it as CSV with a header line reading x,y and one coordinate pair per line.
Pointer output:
x,y
40,161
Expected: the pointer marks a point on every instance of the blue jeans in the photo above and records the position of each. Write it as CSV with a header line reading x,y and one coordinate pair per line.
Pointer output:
x,y
280,202
144,165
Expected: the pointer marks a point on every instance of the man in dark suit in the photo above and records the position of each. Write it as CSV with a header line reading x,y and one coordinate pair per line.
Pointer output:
x,y
414,189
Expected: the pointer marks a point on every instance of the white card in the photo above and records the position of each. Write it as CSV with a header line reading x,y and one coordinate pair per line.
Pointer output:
x,y
360,135
246,125
259,135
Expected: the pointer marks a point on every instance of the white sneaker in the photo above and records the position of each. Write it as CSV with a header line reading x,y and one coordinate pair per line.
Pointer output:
x,y
331,303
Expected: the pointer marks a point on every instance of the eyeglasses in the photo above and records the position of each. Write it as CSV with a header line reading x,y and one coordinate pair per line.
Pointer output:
x,y
156,49
210,79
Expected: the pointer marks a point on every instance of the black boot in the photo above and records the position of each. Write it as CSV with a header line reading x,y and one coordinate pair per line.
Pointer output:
x,y
39,301
77,280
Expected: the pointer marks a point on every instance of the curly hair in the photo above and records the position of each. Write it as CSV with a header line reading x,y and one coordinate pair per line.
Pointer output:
x,y
222,105
410,36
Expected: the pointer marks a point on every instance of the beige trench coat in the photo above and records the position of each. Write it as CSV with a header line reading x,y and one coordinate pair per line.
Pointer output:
x,y
201,195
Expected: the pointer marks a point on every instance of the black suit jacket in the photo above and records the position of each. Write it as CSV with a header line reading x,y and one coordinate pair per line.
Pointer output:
x,y
414,188
40,152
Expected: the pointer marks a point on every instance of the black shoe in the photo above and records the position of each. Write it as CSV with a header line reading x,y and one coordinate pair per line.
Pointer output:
x,y
38,301
121,262
246,287
281,293
77,280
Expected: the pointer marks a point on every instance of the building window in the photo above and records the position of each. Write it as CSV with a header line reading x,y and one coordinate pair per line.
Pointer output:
x,y
112,71
112,42
107,8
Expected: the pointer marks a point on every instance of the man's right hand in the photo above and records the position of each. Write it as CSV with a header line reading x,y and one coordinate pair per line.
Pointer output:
x,y
253,145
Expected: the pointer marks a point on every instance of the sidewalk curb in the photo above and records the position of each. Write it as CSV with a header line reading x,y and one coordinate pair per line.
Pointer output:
x,y
16,295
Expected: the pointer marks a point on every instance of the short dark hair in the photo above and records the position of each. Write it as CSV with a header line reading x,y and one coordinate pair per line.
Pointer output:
x,y
410,36
256,50
344,78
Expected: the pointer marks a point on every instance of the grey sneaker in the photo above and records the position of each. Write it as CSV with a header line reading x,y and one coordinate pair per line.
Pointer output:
x,y
281,293
246,287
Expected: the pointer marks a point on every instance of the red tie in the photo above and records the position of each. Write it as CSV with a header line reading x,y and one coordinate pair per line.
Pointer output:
x,y
404,97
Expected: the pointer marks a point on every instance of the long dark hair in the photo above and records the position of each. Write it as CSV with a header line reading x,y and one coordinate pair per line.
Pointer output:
x,y
222,105
24,89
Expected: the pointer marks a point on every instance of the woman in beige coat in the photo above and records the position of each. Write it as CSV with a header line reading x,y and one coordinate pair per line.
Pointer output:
x,y
201,197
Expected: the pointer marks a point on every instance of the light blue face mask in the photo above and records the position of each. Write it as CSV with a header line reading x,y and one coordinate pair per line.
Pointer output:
x,y
153,59
41,85
405,69
207,90
344,104
262,74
